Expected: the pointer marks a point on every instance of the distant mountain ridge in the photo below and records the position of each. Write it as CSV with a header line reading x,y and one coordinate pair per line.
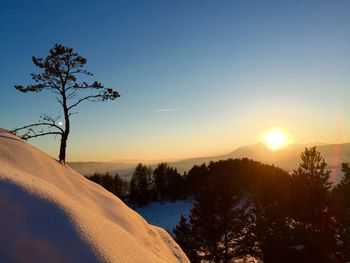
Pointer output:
x,y
287,158
89,168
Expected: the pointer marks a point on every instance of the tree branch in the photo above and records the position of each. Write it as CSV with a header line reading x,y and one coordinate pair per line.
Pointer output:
x,y
71,113
71,95
59,101
26,136
91,97
38,124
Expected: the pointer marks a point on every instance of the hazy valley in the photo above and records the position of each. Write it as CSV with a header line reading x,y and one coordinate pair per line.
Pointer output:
x,y
287,158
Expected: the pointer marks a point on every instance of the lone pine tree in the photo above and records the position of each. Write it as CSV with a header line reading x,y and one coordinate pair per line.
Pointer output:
x,y
60,71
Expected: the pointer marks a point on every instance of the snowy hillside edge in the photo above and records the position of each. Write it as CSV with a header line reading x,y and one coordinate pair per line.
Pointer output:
x,y
49,212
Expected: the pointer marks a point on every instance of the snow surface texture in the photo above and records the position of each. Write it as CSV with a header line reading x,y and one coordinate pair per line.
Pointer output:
x,y
166,215
50,213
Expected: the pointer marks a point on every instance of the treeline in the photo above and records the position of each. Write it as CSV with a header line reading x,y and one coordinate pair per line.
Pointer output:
x,y
164,183
114,184
244,209
161,184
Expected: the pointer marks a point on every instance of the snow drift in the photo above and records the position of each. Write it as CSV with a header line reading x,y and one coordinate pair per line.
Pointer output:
x,y
50,213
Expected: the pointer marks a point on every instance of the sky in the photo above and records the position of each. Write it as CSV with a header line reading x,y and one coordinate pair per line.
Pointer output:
x,y
196,78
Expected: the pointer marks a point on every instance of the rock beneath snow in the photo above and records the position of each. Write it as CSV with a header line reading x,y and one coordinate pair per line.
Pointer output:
x,y
50,213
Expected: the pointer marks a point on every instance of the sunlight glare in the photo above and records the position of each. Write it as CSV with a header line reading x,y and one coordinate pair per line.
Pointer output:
x,y
275,139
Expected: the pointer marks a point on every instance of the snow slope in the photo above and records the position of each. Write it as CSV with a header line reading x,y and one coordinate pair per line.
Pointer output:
x,y
50,213
167,214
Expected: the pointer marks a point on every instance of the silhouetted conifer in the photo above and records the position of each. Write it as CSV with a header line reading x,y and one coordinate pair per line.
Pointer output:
x,y
312,219
194,179
161,178
185,239
141,186
115,185
218,220
175,187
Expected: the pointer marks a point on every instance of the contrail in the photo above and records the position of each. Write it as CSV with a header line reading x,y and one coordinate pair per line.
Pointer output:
x,y
170,109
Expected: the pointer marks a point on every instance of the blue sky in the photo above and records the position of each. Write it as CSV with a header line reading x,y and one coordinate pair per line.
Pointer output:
x,y
229,70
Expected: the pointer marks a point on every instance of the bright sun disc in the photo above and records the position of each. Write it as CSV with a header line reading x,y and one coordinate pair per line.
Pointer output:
x,y
275,139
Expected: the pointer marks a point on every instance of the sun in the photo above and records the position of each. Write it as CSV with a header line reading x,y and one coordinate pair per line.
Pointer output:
x,y
275,139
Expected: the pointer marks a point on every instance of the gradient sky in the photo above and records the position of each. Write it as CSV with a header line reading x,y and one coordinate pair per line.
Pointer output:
x,y
196,78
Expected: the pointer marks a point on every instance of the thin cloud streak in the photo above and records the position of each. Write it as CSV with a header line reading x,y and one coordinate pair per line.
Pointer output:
x,y
169,109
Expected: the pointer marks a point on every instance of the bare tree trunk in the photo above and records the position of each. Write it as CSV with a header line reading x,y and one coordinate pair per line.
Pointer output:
x,y
64,138
62,156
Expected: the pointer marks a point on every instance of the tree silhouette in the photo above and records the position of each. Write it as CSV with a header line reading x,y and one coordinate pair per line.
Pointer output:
x,y
341,195
141,185
184,237
114,184
168,183
161,178
60,71
312,218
